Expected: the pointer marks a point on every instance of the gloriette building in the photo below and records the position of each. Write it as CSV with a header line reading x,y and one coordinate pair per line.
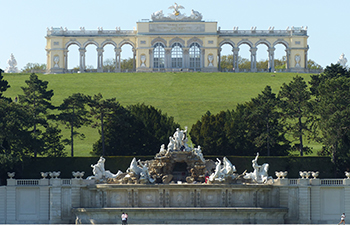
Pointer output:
x,y
176,42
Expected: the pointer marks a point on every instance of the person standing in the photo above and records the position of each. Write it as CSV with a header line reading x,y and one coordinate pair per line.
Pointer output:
x,y
342,219
124,218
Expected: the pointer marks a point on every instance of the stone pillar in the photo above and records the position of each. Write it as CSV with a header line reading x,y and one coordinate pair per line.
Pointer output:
x,y
186,58
75,192
306,58
55,200
65,60
253,59
315,200
347,196
44,190
288,59
11,201
219,59
235,59
304,201
100,59
134,59
271,52
82,59
117,59
167,58
151,58
202,62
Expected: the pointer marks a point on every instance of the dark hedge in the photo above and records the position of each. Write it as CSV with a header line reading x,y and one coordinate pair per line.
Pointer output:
x,y
31,168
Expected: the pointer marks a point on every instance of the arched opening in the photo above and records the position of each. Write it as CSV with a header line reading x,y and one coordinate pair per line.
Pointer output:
x,y
262,58
280,57
91,58
244,58
195,56
127,60
108,58
158,56
73,55
180,171
226,58
176,55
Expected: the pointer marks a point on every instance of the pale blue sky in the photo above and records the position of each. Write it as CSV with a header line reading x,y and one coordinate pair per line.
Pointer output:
x,y
23,23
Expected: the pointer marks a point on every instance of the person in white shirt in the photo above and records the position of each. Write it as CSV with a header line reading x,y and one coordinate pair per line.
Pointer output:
x,y
342,219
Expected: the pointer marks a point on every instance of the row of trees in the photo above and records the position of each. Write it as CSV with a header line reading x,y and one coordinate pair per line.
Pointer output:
x,y
320,113
244,64
30,127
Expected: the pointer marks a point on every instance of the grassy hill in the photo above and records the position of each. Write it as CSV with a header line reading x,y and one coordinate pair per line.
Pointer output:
x,y
185,96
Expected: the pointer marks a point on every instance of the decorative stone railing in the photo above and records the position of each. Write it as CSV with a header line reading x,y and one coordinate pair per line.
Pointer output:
x,y
27,182
263,32
64,32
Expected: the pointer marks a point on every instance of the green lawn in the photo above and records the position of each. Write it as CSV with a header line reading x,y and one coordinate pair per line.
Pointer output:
x,y
185,96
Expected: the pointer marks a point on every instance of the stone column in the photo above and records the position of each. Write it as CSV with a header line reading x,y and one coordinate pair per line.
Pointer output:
x,y
219,59
11,201
288,59
75,192
117,59
202,62
271,52
99,59
167,58
82,59
134,59
315,200
151,58
55,200
65,60
304,201
186,58
235,59
253,59
305,55
44,189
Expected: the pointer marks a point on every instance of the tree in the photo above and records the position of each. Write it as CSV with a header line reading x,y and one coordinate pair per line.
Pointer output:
x,y
297,109
3,86
334,123
38,101
101,110
135,130
313,65
210,133
15,137
34,67
127,64
53,146
264,124
226,62
109,65
74,115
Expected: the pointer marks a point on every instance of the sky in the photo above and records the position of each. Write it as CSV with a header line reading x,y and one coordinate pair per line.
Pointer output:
x,y
23,24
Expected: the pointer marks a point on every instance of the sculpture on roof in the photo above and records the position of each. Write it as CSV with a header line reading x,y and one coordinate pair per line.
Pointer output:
x,y
342,60
12,65
176,14
176,8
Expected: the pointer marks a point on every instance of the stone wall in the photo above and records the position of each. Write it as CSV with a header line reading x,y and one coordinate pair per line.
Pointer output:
x,y
77,200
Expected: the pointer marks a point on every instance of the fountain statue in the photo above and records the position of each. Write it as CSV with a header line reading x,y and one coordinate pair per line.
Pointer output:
x,y
162,169
260,173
